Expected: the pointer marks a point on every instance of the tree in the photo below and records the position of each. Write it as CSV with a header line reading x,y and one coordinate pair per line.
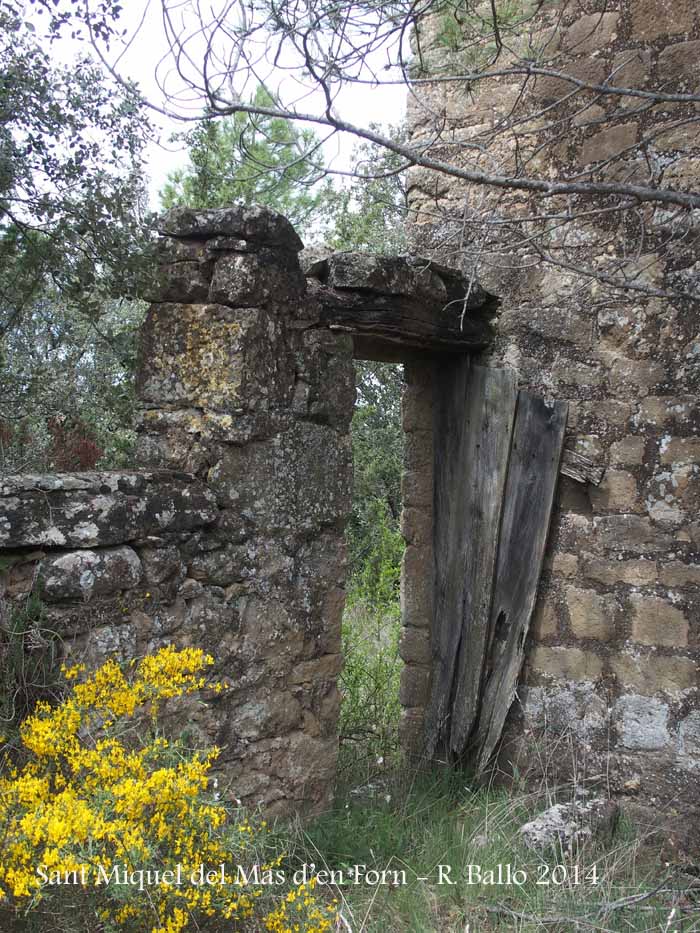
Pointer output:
x,y
72,237
258,160
371,211
501,52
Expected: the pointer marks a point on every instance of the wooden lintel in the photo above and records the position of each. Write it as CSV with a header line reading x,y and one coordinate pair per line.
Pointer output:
x,y
403,322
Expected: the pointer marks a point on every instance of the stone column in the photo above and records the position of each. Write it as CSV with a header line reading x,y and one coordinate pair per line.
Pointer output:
x,y
239,385
417,576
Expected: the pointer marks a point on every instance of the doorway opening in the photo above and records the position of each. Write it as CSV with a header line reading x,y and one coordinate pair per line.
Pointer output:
x,y
370,681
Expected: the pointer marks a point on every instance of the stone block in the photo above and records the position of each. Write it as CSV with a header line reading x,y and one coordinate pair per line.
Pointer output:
x,y
212,357
87,573
418,451
417,527
631,68
675,573
545,618
590,614
617,492
689,741
630,572
652,19
417,587
678,64
561,564
591,32
414,689
608,143
680,450
416,409
411,730
86,510
657,622
417,488
317,670
669,411
630,533
414,645
649,674
567,663
629,451
254,224
642,723
256,280
628,376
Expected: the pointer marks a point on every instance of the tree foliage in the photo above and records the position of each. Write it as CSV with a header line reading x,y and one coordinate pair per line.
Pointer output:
x,y
257,160
72,237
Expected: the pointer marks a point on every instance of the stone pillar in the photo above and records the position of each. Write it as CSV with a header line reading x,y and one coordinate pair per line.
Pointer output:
x,y
240,386
417,577
614,656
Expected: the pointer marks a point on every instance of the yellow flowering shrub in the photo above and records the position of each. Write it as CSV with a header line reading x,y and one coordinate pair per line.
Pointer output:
x,y
113,825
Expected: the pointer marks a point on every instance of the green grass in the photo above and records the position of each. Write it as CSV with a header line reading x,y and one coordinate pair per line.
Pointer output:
x,y
415,823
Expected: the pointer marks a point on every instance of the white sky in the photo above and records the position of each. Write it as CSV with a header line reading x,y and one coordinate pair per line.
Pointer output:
x,y
359,105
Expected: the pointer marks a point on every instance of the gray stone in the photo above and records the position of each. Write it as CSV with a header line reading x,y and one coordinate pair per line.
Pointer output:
x,y
87,573
642,722
97,509
568,825
251,223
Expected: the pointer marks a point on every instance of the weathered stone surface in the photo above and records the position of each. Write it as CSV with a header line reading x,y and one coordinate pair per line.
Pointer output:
x,y
99,509
545,618
416,587
657,622
649,674
590,614
589,32
680,450
209,356
250,280
610,142
642,723
679,61
654,18
630,533
87,573
251,223
627,452
565,826
616,492
632,572
569,663
689,741
415,684
414,646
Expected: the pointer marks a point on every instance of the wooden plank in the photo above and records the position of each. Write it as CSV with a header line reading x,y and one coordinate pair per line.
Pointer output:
x,y
489,416
538,439
580,468
474,409
450,382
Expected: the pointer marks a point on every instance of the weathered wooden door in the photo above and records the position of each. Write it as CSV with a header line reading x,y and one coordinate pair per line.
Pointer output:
x,y
497,457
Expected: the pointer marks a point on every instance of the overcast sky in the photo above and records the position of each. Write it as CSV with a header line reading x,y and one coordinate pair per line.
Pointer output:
x,y
361,105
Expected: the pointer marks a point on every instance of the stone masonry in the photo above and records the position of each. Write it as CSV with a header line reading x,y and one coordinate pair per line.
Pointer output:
x,y
614,658
230,536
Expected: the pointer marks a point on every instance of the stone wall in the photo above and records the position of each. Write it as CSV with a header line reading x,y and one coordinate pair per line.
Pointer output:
x,y
232,537
615,651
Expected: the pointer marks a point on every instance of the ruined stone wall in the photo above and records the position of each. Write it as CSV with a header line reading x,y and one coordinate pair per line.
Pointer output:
x,y
417,570
615,651
231,539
